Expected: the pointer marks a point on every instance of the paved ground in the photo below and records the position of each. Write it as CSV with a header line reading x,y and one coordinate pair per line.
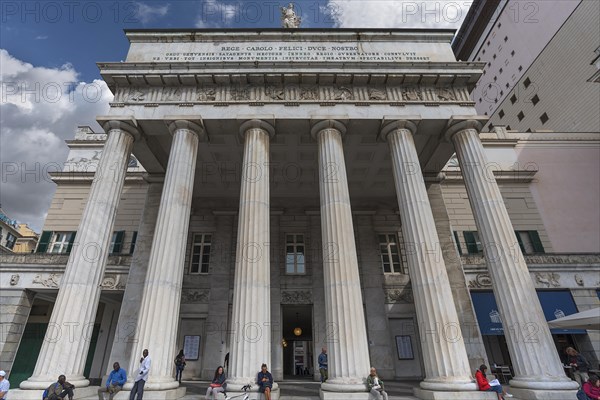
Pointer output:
x,y
308,390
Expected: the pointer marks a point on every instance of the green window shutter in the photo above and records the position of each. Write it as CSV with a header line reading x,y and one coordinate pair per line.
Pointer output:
x,y
521,245
471,242
118,242
133,240
536,242
71,241
44,242
457,243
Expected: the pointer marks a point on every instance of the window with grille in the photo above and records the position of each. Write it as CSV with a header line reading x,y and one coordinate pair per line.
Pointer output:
x,y
473,242
390,254
10,240
294,254
521,115
61,242
200,253
544,118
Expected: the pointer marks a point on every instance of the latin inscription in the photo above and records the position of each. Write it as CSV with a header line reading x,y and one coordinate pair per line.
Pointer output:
x,y
290,53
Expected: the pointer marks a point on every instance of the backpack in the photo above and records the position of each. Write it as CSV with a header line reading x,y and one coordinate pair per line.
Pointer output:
x,y
45,394
581,395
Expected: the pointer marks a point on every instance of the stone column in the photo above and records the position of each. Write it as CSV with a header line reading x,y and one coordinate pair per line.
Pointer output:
x,y
66,343
251,330
158,318
444,354
130,305
348,353
536,362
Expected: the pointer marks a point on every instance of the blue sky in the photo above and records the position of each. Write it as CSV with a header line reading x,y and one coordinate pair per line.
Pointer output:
x,y
49,50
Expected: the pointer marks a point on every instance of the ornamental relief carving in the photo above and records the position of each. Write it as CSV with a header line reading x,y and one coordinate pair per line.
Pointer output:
x,y
296,297
194,296
481,281
550,279
50,281
399,295
289,93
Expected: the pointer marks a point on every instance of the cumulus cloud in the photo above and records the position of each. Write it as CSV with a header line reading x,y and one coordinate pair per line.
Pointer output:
x,y
146,13
438,14
40,109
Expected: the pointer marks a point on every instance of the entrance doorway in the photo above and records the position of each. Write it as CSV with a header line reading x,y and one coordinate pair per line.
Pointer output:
x,y
297,336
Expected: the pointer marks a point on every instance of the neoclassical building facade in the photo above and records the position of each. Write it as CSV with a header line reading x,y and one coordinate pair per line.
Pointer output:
x,y
264,194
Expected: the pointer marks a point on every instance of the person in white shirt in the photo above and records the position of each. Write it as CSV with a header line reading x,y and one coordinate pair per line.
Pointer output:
x,y
375,386
141,377
4,385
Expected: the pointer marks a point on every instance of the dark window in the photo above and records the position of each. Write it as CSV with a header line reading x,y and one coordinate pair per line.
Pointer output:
x,y
495,78
535,99
520,115
133,240
478,58
116,242
457,241
501,114
513,99
520,68
501,70
529,242
200,253
502,93
473,243
480,99
390,254
490,127
507,85
44,242
512,53
294,254
506,38
508,128
544,118
499,24
528,130
483,51
488,42
526,83
494,56
10,240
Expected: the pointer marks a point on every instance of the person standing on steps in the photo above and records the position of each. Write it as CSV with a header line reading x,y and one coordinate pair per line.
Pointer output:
x,y
141,377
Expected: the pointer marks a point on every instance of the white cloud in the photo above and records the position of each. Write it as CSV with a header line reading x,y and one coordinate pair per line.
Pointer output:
x,y
145,13
40,108
439,14
41,37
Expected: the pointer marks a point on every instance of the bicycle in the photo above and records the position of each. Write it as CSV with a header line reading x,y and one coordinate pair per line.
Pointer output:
x,y
245,395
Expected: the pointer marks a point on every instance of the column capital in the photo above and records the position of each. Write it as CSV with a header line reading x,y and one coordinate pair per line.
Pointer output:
x,y
175,122
319,124
459,123
126,123
393,123
266,124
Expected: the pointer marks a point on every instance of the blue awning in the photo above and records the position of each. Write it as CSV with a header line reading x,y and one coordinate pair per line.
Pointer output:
x,y
555,304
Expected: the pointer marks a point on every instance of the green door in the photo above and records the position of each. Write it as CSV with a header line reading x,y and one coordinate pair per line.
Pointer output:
x,y
27,355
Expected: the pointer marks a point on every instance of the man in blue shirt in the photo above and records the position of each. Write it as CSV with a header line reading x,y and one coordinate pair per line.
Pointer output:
x,y
323,364
4,385
115,382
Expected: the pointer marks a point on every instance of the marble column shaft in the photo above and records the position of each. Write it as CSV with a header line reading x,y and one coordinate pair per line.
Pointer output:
x,y
251,330
444,354
67,341
348,354
122,348
534,356
158,318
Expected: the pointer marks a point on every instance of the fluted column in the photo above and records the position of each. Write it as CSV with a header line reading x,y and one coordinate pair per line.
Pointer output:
x,y
66,344
130,305
444,353
535,360
348,354
251,340
158,317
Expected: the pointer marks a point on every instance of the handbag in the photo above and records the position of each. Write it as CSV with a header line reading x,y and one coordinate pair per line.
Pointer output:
x,y
215,385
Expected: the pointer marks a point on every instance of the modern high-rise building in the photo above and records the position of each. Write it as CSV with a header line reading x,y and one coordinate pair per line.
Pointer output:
x,y
541,68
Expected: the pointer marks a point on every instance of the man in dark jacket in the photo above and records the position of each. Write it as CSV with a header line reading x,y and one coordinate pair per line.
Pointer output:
x,y
60,389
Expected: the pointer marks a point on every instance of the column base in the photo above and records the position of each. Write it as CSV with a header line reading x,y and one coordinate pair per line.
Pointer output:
x,y
172,394
437,395
42,382
533,394
234,390
343,391
36,394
